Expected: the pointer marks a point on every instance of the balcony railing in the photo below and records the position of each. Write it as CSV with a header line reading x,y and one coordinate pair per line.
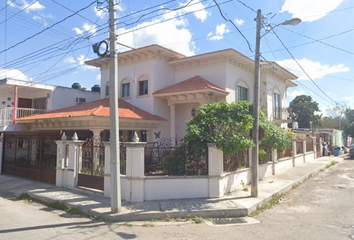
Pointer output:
x,y
281,115
6,114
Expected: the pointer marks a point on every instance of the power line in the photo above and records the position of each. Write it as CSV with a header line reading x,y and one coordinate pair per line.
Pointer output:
x,y
301,67
244,4
8,4
23,9
38,33
228,20
319,40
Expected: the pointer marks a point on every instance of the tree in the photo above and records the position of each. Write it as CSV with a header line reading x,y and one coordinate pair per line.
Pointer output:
x,y
336,112
348,127
304,109
229,124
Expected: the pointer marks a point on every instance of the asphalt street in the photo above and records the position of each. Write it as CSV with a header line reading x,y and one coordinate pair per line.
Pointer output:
x,y
322,207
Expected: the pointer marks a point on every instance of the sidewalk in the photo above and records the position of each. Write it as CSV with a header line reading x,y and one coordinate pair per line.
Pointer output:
x,y
236,204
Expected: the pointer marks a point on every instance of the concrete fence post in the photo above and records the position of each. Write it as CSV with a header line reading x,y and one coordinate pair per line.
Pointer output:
x,y
274,159
304,148
215,170
314,147
293,147
75,155
62,160
107,169
1,150
135,171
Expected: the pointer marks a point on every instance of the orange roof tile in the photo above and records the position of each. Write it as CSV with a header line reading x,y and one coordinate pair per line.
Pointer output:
x,y
191,84
99,108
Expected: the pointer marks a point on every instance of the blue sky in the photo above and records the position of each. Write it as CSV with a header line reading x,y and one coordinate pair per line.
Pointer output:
x,y
45,41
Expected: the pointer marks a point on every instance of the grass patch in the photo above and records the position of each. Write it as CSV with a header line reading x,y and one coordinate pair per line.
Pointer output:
x,y
59,205
198,220
331,164
25,196
310,176
296,185
268,205
148,225
93,217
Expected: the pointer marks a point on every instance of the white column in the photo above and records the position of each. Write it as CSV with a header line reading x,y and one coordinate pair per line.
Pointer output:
x,y
61,159
172,120
1,150
135,171
215,170
107,169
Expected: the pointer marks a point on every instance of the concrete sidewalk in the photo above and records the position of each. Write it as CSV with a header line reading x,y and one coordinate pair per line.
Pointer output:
x,y
236,204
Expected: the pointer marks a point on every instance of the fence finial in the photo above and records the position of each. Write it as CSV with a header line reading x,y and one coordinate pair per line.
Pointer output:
x,y
63,137
135,137
75,137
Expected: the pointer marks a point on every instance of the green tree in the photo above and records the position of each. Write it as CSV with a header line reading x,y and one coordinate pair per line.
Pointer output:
x,y
304,109
348,126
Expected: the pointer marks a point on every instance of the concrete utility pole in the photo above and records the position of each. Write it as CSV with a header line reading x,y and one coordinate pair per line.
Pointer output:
x,y
114,120
255,132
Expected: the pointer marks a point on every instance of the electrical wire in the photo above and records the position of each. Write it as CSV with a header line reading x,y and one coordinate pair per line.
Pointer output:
x,y
302,67
38,33
228,20
23,9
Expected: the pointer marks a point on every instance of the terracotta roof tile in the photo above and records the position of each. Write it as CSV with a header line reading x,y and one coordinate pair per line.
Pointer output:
x,y
99,108
191,84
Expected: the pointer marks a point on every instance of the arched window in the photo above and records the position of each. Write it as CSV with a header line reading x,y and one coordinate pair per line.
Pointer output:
x,y
126,87
242,91
143,88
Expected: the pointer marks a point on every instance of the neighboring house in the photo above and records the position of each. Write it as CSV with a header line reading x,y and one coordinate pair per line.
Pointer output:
x,y
20,98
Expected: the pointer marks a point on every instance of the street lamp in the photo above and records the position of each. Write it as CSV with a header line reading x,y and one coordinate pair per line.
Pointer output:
x,y
255,132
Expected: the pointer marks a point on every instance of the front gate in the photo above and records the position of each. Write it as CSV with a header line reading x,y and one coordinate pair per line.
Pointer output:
x,y
91,167
31,156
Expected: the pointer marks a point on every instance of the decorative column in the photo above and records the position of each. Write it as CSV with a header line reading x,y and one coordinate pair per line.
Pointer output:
x,y
172,120
107,169
215,170
71,176
293,147
135,171
1,150
61,159
95,145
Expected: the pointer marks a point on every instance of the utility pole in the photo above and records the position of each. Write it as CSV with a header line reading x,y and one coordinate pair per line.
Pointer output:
x,y
114,120
255,132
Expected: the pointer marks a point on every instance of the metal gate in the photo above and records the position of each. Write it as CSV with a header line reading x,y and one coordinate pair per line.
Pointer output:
x,y
31,156
91,167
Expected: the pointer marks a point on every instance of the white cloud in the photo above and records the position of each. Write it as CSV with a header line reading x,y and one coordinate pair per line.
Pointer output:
x,y
80,61
295,93
309,11
197,8
26,6
315,70
175,35
98,77
13,73
90,28
221,29
239,22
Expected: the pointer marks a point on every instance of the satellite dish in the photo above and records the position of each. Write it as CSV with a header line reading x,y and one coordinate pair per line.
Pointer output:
x,y
101,48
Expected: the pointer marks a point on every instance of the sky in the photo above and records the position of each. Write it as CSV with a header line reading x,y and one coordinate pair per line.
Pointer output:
x,y
48,41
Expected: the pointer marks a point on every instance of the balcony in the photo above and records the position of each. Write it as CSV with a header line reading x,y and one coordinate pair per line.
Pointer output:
x,y
282,115
6,114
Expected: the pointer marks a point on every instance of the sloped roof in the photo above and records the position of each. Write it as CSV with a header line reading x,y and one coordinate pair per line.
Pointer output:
x,y
191,84
99,108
